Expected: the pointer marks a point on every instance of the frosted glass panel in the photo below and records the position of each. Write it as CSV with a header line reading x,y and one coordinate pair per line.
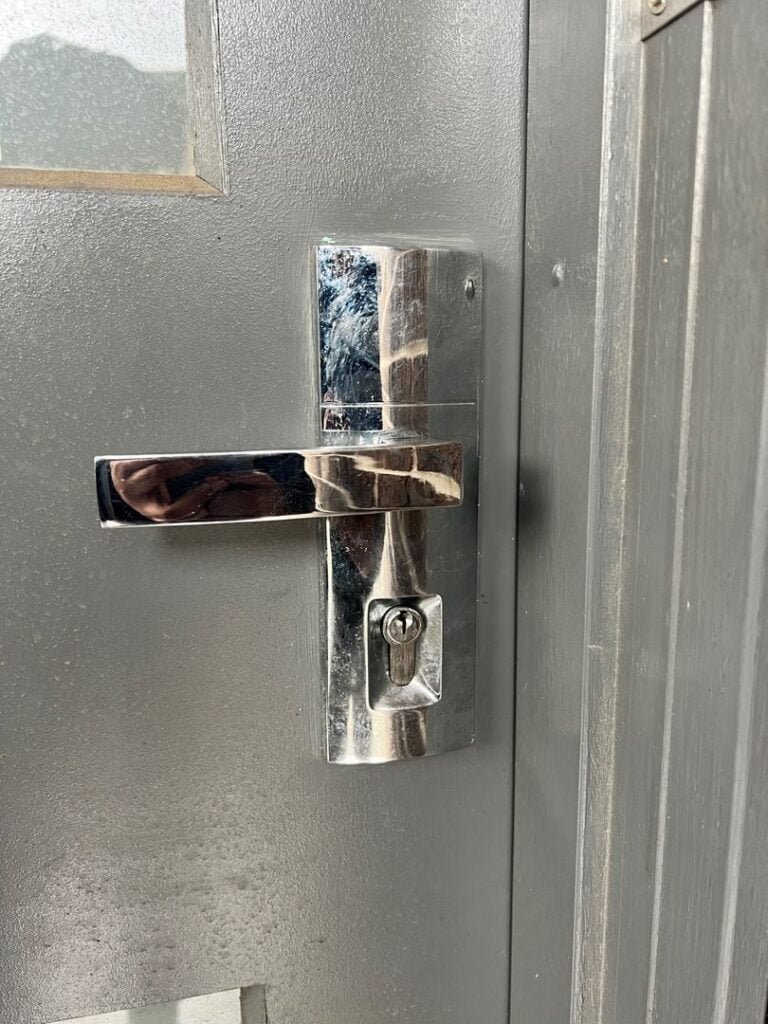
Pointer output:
x,y
236,1006
94,85
221,1008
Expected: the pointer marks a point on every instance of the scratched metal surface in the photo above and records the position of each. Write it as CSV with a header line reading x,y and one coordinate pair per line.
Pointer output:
x,y
167,825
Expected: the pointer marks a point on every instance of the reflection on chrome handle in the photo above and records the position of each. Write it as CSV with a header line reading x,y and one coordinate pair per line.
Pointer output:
x,y
164,490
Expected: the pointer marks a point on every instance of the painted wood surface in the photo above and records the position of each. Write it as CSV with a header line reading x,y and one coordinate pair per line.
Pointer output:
x,y
668,914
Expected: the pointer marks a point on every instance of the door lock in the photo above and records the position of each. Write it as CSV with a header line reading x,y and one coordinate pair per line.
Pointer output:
x,y
398,334
402,627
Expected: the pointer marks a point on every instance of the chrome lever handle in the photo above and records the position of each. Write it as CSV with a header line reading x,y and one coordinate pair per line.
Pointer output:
x,y
246,487
397,332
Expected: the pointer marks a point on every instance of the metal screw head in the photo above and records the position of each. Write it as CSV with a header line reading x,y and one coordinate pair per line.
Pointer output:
x,y
402,626
656,6
469,288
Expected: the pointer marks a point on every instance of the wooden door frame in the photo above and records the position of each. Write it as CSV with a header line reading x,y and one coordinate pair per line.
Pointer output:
x,y
587,98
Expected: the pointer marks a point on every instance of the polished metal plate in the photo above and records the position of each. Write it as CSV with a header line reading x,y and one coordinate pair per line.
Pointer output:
x,y
399,337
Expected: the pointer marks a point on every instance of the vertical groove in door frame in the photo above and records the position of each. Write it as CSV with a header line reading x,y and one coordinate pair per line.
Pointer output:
x,y
758,546
615,297
736,213
699,185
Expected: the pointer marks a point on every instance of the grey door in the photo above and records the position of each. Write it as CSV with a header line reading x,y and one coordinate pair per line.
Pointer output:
x,y
169,825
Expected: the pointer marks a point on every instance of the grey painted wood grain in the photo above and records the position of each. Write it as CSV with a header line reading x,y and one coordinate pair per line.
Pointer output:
x,y
696,517
660,381
740,163
167,826
699,716
669,903
670,101
716,601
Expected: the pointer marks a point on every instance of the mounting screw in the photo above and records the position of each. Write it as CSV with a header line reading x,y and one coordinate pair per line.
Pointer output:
x,y
656,6
469,288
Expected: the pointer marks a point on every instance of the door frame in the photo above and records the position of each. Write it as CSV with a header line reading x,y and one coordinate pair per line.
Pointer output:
x,y
587,100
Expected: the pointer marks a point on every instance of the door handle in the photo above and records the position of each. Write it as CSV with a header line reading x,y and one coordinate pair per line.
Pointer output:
x,y
397,332
225,487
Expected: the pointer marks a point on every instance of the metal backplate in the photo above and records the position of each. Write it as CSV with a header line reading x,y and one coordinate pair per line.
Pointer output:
x,y
399,335
424,687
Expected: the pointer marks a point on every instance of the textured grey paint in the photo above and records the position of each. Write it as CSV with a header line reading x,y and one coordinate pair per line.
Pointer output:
x,y
668,910
167,826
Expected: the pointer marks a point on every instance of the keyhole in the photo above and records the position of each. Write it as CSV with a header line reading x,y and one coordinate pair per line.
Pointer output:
x,y
401,629
400,624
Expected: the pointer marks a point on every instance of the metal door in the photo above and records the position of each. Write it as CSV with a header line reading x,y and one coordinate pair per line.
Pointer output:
x,y
169,824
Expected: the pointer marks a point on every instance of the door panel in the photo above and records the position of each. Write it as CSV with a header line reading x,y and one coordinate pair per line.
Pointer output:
x,y
170,827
